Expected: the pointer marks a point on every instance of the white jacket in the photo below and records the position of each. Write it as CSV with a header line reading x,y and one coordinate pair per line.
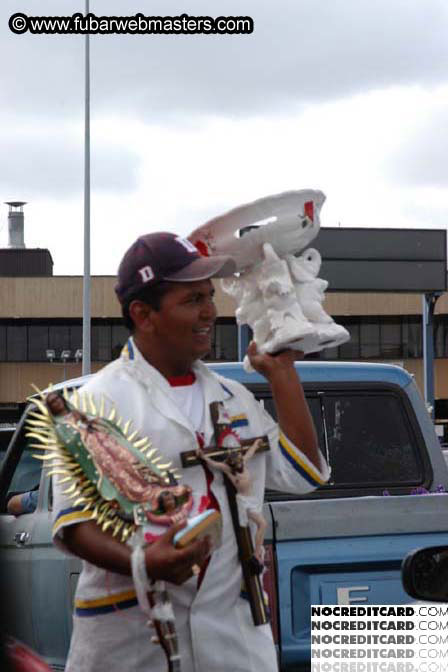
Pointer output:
x,y
214,623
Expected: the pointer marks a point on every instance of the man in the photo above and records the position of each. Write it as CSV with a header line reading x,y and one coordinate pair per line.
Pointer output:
x,y
160,384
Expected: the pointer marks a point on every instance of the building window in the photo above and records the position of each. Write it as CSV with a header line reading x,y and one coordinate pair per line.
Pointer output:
x,y
375,338
101,343
383,338
412,337
2,343
441,335
370,338
75,332
28,341
226,342
37,343
350,350
390,338
59,338
16,337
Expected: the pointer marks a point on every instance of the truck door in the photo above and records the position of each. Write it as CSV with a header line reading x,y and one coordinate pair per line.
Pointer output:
x,y
53,579
20,473
36,579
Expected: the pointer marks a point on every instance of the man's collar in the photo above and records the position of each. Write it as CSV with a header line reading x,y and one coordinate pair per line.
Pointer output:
x,y
134,357
141,368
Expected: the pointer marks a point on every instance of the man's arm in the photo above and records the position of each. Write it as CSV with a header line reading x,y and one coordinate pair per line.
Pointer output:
x,y
294,417
14,505
163,561
24,503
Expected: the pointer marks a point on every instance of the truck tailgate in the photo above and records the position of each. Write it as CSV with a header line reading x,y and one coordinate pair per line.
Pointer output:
x,y
346,551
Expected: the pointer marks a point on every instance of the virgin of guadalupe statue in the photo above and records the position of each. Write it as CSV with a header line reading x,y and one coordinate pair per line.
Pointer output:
x,y
127,483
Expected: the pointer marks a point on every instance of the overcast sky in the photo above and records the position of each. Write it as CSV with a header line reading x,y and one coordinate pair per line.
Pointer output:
x,y
346,96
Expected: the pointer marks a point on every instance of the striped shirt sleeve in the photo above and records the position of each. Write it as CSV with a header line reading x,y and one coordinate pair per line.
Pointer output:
x,y
68,516
65,513
301,464
288,468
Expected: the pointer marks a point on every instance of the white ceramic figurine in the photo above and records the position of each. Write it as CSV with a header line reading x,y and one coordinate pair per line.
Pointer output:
x,y
278,294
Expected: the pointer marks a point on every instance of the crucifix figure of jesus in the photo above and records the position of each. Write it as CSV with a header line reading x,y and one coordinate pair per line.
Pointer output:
x,y
230,455
235,468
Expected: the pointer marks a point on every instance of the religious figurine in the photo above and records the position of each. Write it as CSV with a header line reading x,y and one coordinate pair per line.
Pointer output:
x,y
310,292
278,294
125,487
120,472
287,323
235,468
250,309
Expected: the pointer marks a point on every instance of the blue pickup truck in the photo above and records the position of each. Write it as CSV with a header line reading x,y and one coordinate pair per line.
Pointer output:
x,y
343,544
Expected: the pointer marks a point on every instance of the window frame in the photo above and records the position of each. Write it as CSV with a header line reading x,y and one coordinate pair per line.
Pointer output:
x,y
74,340
12,457
363,489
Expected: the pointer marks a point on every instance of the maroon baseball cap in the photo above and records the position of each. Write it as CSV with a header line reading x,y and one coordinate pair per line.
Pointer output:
x,y
158,257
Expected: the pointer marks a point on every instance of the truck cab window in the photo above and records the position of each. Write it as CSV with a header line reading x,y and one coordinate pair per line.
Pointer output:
x,y
27,473
366,438
369,440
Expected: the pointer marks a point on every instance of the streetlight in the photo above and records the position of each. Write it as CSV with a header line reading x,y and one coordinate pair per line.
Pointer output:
x,y
86,279
65,355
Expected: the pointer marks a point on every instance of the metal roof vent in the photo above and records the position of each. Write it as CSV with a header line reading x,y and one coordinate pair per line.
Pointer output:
x,y
16,224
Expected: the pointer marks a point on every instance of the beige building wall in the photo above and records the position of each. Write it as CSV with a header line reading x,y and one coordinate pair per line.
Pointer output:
x,y
61,297
354,303
16,378
57,296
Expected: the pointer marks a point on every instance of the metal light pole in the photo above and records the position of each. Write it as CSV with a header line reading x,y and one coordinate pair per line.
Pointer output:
x,y
86,280
428,305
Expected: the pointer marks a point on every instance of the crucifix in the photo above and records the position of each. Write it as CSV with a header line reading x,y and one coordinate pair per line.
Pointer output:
x,y
251,575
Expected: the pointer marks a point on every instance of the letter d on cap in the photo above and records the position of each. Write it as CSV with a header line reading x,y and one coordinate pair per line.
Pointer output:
x,y
146,273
